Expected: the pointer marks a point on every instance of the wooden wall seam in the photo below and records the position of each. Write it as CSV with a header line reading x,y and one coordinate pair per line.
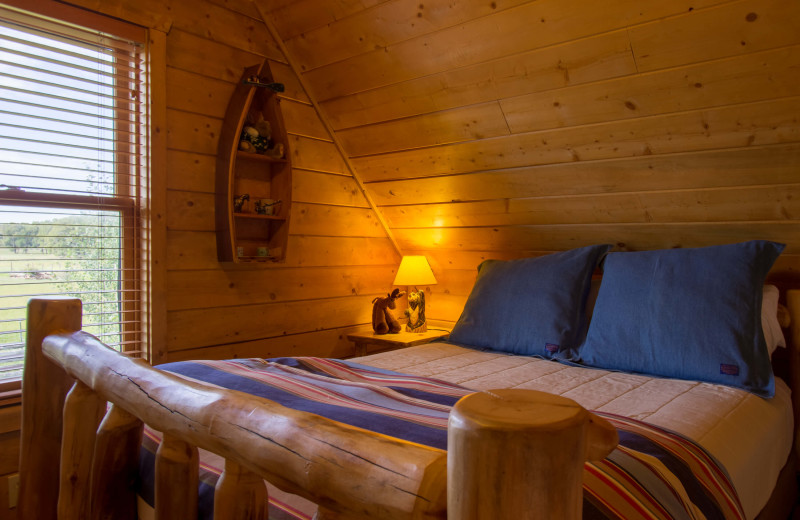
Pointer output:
x,y
339,256
553,124
155,316
352,170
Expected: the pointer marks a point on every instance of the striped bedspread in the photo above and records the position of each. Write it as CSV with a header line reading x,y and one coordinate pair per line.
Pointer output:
x,y
652,474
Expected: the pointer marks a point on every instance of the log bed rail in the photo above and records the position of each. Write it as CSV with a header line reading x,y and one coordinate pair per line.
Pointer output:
x,y
101,399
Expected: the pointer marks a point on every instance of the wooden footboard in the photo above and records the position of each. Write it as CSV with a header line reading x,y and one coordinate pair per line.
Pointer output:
x,y
349,472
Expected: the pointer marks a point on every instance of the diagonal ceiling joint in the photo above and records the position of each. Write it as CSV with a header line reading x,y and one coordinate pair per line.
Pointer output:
x,y
276,36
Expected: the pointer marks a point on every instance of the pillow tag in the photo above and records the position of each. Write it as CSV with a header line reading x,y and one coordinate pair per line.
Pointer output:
x,y
551,347
727,369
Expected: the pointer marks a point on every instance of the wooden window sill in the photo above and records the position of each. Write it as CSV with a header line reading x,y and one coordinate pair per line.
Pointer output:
x,y
10,393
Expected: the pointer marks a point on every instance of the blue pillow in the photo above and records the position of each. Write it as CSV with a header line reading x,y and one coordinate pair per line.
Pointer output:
x,y
685,313
531,306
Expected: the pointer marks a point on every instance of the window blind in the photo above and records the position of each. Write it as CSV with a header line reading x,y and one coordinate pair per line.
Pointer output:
x,y
72,163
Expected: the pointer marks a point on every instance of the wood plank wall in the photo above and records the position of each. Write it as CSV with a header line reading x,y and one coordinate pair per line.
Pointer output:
x,y
339,257
482,130
513,127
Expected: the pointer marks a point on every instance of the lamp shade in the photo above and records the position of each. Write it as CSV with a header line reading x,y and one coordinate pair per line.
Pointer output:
x,y
414,270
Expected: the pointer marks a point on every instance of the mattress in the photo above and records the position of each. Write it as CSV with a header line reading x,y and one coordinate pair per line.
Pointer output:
x,y
750,436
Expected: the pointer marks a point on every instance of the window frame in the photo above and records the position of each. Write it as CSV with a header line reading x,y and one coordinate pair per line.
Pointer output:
x,y
141,202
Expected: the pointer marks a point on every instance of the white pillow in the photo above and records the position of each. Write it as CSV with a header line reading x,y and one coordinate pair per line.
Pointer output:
x,y
769,319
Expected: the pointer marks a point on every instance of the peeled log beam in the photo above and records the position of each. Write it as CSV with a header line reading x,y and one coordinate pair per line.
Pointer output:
x,y
325,514
793,303
503,441
347,470
240,494
177,480
44,389
83,411
115,466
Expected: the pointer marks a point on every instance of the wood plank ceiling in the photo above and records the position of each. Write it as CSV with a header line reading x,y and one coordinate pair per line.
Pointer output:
x,y
506,128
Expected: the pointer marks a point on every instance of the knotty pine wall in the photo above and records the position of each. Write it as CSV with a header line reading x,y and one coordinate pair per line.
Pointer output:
x,y
481,129
486,129
338,257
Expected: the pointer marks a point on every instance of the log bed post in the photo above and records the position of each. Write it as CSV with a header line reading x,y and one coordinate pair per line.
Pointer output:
x,y
44,389
83,411
177,479
793,305
502,442
299,452
115,466
240,494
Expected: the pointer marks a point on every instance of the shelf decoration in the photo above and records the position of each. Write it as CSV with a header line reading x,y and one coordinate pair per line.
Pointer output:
x,y
267,206
257,138
238,202
258,81
253,164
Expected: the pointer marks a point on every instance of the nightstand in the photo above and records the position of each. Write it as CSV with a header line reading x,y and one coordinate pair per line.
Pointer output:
x,y
368,342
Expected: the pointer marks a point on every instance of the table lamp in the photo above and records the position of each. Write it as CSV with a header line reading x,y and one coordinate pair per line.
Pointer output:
x,y
414,271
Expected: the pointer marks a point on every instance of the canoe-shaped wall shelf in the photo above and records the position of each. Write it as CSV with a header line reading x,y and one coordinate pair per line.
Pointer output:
x,y
254,185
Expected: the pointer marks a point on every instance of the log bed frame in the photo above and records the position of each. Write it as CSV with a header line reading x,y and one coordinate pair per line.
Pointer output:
x,y
350,473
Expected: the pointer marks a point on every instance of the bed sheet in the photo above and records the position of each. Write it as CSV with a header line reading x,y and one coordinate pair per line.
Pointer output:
x,y
749,435
416,408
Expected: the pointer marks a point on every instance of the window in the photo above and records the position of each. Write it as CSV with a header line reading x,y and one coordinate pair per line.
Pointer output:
x,y
73,146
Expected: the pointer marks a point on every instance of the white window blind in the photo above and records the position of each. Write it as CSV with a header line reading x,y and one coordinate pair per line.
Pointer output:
x,y
72,160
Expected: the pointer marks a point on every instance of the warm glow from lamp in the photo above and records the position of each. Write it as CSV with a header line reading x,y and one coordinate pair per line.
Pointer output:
x,y
415,270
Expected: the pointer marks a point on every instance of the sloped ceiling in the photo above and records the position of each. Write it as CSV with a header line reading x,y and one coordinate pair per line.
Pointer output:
x,y
503,128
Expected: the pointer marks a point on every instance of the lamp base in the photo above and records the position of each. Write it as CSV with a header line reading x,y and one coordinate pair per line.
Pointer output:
x,y
416,312
421,328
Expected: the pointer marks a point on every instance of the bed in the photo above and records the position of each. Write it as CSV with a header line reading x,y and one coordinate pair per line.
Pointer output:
x,y
733,425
